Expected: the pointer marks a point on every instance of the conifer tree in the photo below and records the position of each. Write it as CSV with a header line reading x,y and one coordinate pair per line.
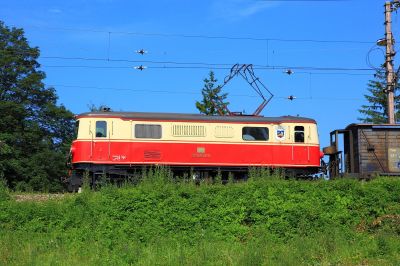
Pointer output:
x,y
375,111
213,99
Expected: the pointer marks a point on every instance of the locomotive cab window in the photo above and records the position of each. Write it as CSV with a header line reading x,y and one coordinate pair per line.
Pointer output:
x,y
101,129
298,134
144,131
255,133
76,129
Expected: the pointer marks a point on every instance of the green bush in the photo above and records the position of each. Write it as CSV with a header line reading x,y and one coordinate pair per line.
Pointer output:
x,y
4,193
316,218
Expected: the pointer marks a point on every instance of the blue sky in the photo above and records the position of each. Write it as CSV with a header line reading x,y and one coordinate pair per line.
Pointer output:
x,y
272,34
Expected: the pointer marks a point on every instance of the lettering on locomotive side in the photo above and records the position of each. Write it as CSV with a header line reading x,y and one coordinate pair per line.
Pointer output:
x,y
201,153
118,157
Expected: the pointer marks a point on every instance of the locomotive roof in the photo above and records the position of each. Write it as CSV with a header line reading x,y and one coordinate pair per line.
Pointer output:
x,y
196,117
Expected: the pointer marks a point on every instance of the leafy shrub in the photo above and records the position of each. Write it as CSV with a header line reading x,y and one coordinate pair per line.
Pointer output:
x,y
4,193
159,209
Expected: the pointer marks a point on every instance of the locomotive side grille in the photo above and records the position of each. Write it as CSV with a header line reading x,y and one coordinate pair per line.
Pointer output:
x,y
152,155
224,132
180,130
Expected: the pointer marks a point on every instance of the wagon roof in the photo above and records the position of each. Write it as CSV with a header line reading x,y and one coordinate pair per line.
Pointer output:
x,y
374,126
197,117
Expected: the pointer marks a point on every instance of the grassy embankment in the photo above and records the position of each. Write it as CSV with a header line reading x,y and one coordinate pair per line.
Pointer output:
x,y
160,222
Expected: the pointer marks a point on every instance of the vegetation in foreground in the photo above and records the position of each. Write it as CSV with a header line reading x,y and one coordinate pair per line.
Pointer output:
x,y
162,222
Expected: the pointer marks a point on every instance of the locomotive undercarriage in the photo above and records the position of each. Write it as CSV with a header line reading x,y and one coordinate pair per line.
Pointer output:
x,y
97,174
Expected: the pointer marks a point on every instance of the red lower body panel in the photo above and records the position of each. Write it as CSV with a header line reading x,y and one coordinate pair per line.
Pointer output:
x,y
195,154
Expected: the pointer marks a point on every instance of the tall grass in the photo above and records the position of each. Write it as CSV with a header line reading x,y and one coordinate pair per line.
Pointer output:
x,y
161,220
321,249
4,191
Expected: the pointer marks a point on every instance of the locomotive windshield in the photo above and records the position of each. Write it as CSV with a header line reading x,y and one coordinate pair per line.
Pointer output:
x,y
255,133
101,129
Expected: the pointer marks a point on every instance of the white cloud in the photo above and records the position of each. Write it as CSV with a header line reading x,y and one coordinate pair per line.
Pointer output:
x,y
55,10
253,8
239,9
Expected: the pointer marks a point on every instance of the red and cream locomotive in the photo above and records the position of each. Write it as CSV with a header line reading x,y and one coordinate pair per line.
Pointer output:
x,y
119,144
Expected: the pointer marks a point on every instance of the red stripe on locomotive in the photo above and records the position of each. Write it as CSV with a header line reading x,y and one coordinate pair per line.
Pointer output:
x,y
172,153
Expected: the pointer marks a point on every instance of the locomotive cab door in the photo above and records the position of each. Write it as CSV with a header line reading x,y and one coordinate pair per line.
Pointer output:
x,y
300,152
101,142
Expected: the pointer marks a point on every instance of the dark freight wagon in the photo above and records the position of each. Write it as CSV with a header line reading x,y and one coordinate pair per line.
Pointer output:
x,y
368,149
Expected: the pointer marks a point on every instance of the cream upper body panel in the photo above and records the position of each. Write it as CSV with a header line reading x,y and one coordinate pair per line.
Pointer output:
x,y
131,130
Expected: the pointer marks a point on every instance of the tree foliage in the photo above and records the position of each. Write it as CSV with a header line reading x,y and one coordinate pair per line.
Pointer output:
x,y
376,110
213,99
35,132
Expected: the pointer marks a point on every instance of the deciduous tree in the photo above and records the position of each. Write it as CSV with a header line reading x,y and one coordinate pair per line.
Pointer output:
x,y
35,131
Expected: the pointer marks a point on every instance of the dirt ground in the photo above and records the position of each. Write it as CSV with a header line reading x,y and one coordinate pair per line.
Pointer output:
x,y
37,197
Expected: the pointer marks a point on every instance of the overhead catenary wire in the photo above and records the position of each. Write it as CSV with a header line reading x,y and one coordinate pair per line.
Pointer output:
x,y
200,36
195,64
188,64
368,56
182,92
140,90
333,73
181,65
204,65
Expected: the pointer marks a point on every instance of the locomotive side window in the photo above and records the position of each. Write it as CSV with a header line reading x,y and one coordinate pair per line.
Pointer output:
x,y
101,129
144,131
76,129
255,133
298,134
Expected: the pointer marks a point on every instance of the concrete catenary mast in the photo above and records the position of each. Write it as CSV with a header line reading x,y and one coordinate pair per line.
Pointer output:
x,y
388,41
